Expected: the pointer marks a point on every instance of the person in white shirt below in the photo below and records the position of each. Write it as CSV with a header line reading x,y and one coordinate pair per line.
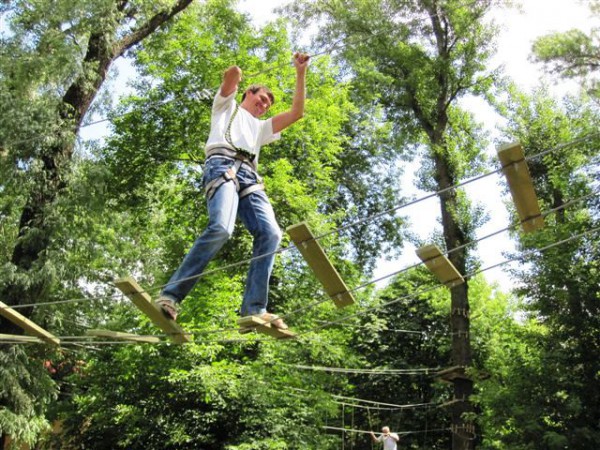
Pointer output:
x,y
389,440
234,188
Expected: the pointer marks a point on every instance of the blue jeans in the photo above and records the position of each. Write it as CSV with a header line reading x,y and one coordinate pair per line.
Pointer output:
x,y
257,215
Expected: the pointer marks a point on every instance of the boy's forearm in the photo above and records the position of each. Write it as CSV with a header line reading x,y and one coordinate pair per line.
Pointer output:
x,y
299,95
296,111
231,79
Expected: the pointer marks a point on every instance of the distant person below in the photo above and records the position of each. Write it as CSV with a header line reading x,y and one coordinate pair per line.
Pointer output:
x,y
389,440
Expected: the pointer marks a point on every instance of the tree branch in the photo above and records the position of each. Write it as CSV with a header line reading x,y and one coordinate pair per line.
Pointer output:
x,y
148,28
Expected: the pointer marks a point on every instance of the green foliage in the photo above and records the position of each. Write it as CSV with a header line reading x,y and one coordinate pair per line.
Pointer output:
x,y
408,67
410,63
49,73
572,54
556,373
395,59
25,394
202,395
408,329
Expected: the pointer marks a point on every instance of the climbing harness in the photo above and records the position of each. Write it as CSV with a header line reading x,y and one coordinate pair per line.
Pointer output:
x,y
231,175
241,156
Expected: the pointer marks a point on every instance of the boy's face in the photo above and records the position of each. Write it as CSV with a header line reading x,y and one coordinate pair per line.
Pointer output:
x,y
256,103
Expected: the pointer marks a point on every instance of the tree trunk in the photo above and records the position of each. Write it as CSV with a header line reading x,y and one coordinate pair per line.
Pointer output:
x,y
459,308
35,233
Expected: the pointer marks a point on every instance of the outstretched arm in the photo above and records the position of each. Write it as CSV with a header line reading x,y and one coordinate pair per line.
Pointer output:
x,y
374,437
285,119
231,78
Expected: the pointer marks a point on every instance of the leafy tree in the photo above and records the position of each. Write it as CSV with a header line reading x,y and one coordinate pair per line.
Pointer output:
x,y
572,54
162,397
560,284
414,60
54,58
63,54
25,394
408,329
507,400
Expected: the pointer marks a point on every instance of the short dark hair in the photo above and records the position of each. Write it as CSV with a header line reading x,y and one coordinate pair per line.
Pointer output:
x,y
254,88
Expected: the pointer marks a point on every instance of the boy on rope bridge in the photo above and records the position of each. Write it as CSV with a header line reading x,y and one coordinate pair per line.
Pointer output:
x,y
388,439
233,187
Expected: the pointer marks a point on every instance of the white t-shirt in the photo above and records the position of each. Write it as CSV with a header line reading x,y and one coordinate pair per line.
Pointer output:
x,y
388,442
247,132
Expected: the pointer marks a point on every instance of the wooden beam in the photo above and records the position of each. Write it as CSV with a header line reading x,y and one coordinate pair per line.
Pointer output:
x,y
440,265
520,184
19,338
320,264
251,323
124,336
465,430
30,327
451,403
452,373
142,300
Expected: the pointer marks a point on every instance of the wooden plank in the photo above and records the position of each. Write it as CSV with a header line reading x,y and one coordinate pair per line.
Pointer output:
x,y
520,184
142,300
250,323
451,403
124,336
19,338
456,372
440,265
30,327
452,373
320,264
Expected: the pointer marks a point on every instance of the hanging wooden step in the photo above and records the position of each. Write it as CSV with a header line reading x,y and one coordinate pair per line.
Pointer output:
x,y
252,323
460,372
451,403
320,264
452,373
440,265
514,166
123,336
33,329
20,338
144,302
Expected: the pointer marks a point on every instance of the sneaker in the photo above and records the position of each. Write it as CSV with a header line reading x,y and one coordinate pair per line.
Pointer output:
x,y
168,307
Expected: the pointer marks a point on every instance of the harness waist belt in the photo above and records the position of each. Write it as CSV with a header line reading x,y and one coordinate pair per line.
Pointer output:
x,y
231,175
230,158
247,157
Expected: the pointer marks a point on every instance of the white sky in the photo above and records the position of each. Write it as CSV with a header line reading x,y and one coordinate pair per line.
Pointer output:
x,y
518,30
